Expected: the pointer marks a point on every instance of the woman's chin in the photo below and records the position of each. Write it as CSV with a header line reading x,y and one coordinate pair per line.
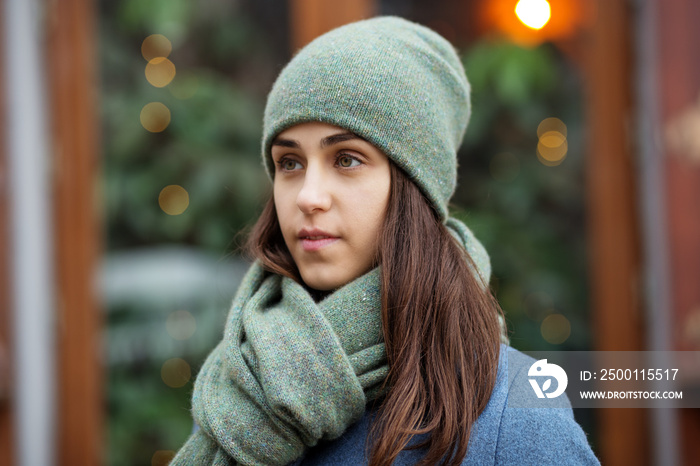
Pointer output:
x,y
325,278
321,283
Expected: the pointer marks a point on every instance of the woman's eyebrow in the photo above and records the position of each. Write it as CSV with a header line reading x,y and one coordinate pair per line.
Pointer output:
x,y
285,143
325,142
336,138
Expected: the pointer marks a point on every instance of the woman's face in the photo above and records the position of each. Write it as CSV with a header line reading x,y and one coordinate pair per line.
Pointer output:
x,y
331,191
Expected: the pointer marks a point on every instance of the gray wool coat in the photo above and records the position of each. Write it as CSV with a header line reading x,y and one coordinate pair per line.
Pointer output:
x,y
501,435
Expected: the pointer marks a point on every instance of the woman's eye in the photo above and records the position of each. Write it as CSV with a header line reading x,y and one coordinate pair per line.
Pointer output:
x,y
347,161
288,164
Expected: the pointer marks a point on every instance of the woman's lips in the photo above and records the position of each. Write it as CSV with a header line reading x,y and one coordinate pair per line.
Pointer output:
x,y
314,243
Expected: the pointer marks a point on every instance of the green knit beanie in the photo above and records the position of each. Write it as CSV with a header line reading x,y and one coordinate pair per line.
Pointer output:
x,y
397,84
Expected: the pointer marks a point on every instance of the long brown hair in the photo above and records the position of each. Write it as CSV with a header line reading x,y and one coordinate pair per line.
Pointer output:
x,y
440,327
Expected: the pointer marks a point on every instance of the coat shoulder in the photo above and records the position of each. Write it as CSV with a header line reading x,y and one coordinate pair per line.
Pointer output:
x,y
537,435
501,435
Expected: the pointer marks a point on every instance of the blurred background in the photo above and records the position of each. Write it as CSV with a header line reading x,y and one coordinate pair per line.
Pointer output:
x,y
130,168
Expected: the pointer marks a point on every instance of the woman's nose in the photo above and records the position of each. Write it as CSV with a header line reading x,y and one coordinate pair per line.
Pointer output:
x,y
315,193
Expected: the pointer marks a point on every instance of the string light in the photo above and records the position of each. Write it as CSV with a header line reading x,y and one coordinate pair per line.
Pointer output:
x,y
160,71
555,329
529,23
552,145
175,372
533,13
173,199
155,117
551,124
552,156
154,46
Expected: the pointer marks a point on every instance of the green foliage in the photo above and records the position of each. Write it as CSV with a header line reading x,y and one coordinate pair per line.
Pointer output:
x,y
144,415
529,216
210,147
168,17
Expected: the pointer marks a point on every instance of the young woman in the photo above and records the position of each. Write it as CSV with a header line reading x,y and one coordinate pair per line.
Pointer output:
x,y
365,331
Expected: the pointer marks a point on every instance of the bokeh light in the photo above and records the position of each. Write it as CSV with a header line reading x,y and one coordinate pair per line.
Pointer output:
x,y
175,372
551,124
533,13
155,117
181,325
155,46
160,71
555,329
551,156
552,145
552,139
162,457
518,20
504,167
173,199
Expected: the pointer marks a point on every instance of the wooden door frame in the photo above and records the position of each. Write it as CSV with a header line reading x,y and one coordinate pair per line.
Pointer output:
x,y
71,47
613,225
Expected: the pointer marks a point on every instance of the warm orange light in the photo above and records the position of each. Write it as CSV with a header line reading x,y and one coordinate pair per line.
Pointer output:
x,y
552,156
160,71
155,117
565,17
154,46
173,199
552,139
533,13
552,145
175,372
555,329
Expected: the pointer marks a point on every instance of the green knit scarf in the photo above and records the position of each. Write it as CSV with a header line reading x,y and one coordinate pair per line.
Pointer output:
x,y
289,371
